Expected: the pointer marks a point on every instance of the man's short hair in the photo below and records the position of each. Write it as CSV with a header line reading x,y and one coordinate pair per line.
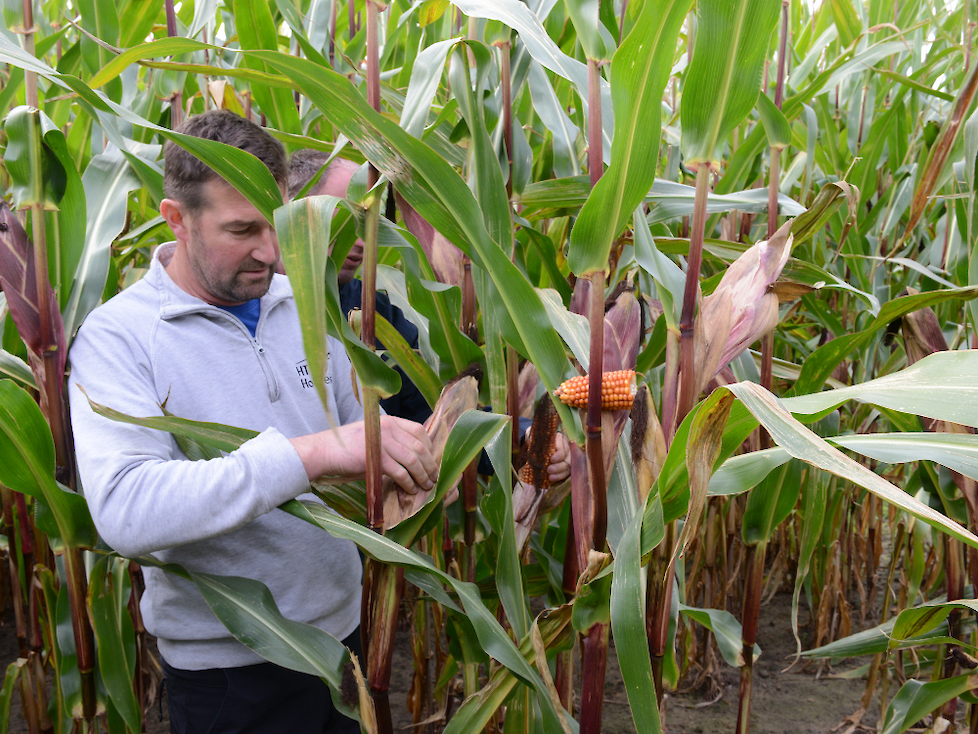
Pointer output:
x,y
185,175
303,165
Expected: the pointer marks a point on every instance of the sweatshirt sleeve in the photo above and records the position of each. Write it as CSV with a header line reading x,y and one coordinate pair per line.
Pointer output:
x,y
143,493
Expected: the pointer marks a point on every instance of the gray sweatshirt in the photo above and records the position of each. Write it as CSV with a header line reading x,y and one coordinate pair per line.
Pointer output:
x,y
155,343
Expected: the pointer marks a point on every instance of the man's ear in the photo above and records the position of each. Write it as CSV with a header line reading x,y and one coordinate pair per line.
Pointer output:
x,y
174,213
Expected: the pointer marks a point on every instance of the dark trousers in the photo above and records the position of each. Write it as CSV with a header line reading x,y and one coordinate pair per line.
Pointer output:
x,y
255,699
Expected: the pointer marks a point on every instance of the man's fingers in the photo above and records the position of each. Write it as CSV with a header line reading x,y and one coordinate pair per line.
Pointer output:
x,y
409,446
401,476
422,446
559,468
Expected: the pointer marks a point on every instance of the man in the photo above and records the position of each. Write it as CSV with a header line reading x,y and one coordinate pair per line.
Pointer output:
x,y
213,332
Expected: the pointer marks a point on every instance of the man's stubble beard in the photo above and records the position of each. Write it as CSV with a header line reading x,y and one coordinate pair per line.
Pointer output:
x,y
226,285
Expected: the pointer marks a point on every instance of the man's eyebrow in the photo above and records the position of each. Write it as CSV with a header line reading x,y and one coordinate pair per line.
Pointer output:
x,y
239,223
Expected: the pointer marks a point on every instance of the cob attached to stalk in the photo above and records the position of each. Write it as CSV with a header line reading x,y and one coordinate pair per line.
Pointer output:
x,y
617,390
541,445
534,491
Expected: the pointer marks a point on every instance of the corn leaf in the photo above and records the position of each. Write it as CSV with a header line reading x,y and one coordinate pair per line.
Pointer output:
x,y
591,33
938,386
425,77
6,695
628,609
214,435
416,369
303,228
726,629
938,155
820,364
108,599
256,30
485,173
473,715
814,501
801,443
916,699
242,170
108,180
497,505
770,503
639,74
544,51
247,609
776,125
492,637
31,184
724,77
27,465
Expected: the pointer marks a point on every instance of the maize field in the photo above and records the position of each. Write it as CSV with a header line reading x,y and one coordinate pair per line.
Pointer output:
x,y
722,252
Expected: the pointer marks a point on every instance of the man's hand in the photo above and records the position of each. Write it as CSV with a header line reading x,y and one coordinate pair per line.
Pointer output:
x,y
559,468
406,453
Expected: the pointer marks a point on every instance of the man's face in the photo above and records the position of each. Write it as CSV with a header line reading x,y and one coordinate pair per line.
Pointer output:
x,y
232,250
349,267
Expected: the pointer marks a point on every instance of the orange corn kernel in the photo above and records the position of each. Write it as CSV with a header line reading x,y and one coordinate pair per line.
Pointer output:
x,y
617,390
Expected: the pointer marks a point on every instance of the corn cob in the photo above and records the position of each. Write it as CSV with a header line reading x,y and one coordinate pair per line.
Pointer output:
x,y
541,446
617,390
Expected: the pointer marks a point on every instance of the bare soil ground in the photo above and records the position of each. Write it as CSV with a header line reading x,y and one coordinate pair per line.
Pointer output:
x,y
783,702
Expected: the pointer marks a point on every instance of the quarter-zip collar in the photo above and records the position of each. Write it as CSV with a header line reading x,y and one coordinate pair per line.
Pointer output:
x,y
176,302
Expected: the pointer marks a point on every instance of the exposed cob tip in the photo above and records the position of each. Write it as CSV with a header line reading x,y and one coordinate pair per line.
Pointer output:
x,y
617,390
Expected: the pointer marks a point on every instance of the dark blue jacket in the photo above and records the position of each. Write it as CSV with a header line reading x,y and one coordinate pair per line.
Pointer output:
x,y
409,402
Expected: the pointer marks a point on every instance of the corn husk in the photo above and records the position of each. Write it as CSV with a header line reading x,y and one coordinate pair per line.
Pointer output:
x,y
743,308
456,398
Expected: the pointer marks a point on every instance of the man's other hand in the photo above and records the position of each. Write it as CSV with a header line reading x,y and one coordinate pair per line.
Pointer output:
x,y
559,468
406,453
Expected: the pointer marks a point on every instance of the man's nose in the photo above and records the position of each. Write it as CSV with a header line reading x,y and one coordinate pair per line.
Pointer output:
x,y
267,250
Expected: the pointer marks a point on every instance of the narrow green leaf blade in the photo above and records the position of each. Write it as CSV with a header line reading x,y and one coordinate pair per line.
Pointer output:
x,y
225,438
819,365
769,503
493,639
27,465
112,625
498,507
416,369
916,699
801,443
303,228
628,623
256,30
775,123
939,386
915,622
639,73
437,192
724,77
726,629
